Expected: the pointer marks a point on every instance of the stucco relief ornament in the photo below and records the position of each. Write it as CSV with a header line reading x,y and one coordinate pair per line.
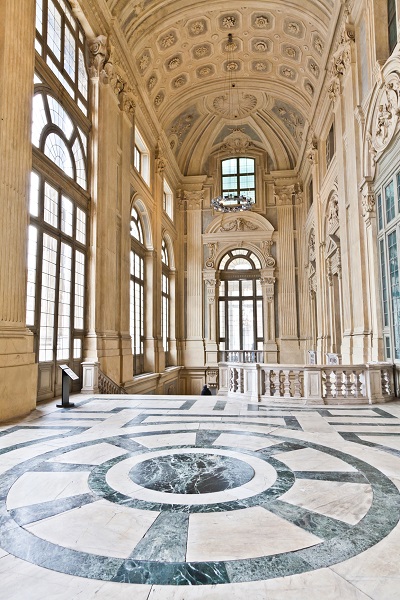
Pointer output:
x,y
334,89
229,22
261,21
237,141
311,247
387,114
333,215
239,225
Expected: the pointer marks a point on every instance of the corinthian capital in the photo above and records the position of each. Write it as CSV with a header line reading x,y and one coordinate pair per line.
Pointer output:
x,y
284,195
193,199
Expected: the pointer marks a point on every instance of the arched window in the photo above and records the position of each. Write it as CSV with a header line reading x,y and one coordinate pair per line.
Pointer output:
x,y
240,302
165,300
58,200
238,178
168,200
137,292
54,133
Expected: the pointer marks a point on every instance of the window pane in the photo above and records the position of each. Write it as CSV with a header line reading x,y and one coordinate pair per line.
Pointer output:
x,y
233,288
67,210
49,263
394,290
39,118
248,325
69,53
80,164
31,288
260,325
239,264
229,167
60,117
39,16
77,348
54,30
50,205
380,215
79,290
34,195
246,165
233,325
222,319
80,226
389,200
384,284
247,287
56,149
64,303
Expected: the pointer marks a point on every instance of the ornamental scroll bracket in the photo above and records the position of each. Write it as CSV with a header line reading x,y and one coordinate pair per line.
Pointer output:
x,y
212,250
99,55
266,246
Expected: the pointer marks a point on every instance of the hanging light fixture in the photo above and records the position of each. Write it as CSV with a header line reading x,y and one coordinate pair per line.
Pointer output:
x,y
230,103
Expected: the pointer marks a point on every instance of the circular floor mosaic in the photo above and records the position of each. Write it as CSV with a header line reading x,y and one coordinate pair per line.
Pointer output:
x,y
208,508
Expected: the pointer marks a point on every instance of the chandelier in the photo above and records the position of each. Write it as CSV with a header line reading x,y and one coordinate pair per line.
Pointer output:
x,y
227,201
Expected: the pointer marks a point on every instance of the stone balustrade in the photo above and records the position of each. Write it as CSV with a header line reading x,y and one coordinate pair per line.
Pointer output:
x,y
308,384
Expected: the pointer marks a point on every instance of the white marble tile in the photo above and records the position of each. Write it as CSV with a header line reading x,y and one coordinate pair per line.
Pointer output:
x,y
247,442
89,455
313,422
36,487
384,440
169,439
179,418
26,435
241,534
160,403
348,502
309,459
367,412
360,428
100,528
21,580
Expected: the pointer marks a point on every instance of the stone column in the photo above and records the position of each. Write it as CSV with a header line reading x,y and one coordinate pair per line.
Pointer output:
x,y
194,351
268,293
375,302
289,350
18,371
127,106
211,340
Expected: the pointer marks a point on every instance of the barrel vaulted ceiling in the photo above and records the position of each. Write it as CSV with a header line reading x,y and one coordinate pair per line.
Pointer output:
x,y
281,49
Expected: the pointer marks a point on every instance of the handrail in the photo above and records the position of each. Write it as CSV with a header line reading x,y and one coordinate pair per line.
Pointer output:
x,y
108,386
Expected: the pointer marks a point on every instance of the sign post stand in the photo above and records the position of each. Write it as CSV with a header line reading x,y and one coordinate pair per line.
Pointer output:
x,y
67,374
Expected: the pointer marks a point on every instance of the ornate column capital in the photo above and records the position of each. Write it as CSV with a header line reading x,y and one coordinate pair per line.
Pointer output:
x,y
284,195
99,54
268,287
191,200
368,200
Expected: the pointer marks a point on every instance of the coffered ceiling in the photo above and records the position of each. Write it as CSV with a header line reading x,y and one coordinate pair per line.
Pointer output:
x,y
279,63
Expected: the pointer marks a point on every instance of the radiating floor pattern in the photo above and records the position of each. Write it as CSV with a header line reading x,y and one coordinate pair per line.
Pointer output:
x,y
189,498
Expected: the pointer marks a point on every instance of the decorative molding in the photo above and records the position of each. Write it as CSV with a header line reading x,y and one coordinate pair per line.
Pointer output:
x,y
239,224
237,141
368,200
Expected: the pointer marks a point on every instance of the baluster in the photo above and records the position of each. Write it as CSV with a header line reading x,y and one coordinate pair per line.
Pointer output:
x,y
272,380
328,384
348,387
358,386
297,385
286,384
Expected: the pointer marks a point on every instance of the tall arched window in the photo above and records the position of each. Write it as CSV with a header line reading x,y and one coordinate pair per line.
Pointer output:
x,y
58,200
137,292
240,302
165,300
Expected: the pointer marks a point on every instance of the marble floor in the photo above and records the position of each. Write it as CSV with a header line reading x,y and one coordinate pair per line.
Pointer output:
x,y
189,498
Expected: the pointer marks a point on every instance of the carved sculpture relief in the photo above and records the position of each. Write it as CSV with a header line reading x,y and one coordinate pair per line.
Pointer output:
x,y
386,113
239,224
212,250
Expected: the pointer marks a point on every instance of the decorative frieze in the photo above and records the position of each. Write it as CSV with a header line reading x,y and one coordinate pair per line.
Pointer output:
x,y
239,224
